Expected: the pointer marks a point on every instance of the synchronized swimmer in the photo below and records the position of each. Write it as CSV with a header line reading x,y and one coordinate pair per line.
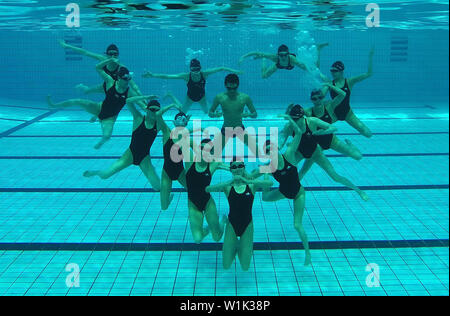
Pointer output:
x,y
311,129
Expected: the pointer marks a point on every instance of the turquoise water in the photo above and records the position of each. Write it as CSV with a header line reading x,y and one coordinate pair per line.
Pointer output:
x,y
53,218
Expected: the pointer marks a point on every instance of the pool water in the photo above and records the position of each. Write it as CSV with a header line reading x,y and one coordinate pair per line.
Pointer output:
x,y
64,234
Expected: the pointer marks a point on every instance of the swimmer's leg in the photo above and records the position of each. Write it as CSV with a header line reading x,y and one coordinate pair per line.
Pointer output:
x,y
272,196
204,105
306,167
356,123
90,90
347,148
325,164
107,130
124,162
196,223
187,104
88,105
245,251
230,245
212,218
267,72
299,209
166,191
150,173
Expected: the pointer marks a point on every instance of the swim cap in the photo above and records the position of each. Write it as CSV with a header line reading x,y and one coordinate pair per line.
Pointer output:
x,y
195,63
112,47
297,112
316,92
283,49
153,103
339,65
232,78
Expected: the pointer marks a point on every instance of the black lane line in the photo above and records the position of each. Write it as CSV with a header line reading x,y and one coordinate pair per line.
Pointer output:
x,y
181,190
258,246
267,135
266,120
27,123
246,157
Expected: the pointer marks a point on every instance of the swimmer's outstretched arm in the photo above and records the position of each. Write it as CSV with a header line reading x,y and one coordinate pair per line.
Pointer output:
x,y
368,74
161,112
258,184
83,51
183,76
298,63
258,55
132,108
340,95
322,128
298,132
212,71
107,78
213,110
219,187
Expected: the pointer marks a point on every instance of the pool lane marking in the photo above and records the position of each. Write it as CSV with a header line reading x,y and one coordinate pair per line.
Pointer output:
x,y
268,120
267,135
182,190
257,246
27,123
246,157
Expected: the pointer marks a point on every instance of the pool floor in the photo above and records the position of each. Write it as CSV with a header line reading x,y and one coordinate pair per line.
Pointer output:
x,y
55,224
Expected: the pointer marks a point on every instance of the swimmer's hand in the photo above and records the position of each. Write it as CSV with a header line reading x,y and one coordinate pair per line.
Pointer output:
x,y
63,44
215,114
285,116
147,74
241,178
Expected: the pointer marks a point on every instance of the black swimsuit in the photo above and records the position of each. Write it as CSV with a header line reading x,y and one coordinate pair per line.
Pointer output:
x,y
289,66
342,109
288,179
196,90
196,187
141,142
324,140
308,144
241,206
173,169
113,104
113,74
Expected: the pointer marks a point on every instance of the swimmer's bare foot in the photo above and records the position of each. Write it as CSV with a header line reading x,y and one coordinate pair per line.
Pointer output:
x,y
308,260
49,102
322,46
89,174
364,196
357,155
93,119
